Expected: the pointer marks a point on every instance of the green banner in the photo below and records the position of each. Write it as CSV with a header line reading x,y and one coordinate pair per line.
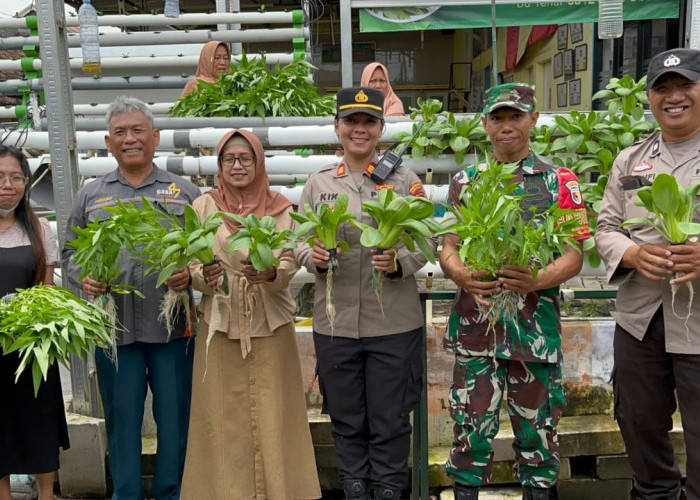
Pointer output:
x,y
519,14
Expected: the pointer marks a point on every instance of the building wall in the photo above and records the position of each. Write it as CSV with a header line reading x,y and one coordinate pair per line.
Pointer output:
x,y
536,67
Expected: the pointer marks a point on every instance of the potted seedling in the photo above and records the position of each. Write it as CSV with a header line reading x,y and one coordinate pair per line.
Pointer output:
x,y
44,324
400,219
323,225
673,209
493,233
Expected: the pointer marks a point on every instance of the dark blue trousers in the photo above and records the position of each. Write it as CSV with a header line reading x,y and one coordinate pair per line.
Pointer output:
x,y
167,370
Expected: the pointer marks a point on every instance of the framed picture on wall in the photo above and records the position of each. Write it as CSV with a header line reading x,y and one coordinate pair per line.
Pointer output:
x,y
561,94
576,30
581,57
569,62
575,92
558,65
562,36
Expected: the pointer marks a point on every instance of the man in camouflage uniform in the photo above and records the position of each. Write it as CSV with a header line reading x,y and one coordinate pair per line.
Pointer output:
x,y
527,355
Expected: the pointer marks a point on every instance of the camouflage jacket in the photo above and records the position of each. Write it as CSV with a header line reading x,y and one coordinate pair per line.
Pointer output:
x,y
536,336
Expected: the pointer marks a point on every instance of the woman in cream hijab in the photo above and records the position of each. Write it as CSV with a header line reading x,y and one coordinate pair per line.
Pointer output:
x,y
376,76
249,434
214,59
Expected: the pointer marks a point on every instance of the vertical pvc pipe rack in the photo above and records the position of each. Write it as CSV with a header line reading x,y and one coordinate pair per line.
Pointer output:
x,y
61,128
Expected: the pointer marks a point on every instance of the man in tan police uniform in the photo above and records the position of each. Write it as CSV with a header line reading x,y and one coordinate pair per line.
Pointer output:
x,y
654,351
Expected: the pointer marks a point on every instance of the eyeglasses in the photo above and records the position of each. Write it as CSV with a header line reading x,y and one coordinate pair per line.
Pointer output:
x,y
16,180
245,161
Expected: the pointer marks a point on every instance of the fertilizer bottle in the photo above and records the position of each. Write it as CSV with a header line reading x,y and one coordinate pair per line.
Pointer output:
x,y
89,37
609,18
172,8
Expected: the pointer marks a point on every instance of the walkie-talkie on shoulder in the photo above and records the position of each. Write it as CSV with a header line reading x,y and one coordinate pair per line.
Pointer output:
x,y
390,160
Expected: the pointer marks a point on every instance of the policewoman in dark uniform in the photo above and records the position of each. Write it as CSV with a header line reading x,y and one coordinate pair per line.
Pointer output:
x,y
369,363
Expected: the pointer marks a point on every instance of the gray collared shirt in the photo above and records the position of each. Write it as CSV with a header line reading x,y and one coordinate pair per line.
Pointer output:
x,y
137,317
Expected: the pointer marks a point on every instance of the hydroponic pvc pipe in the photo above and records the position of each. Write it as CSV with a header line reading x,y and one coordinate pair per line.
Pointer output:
x,y
170,37
295,16
186,63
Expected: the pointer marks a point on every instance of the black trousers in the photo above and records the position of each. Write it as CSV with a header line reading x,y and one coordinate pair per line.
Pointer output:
x,y
644,380
369,387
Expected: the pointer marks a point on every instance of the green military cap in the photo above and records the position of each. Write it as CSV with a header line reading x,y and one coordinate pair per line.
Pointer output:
x,y
511,95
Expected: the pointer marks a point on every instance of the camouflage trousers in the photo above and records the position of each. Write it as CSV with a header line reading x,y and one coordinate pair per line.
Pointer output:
x,y
535,399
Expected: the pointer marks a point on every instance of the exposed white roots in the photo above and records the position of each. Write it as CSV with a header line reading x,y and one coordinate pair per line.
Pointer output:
x,y
330,299
378,284
504,306
174,302
691,295
106,302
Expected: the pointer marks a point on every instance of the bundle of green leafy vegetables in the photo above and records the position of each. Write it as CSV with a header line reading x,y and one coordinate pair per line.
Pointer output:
x,y
260,237
252,89
47,323
100,247
323,226
400,220
494,233
673,211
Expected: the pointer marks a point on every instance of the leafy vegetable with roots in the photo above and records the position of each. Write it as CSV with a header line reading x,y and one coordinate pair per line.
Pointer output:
x,y
260,237
179,245
101,247
44,324
400,219
324,225
673,210
489,221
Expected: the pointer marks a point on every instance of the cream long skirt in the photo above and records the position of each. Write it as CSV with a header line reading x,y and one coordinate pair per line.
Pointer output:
x,y
249,434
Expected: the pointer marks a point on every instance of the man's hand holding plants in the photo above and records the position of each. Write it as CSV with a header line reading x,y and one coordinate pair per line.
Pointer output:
x,y
518,279
686,261
651,261
179,280
93,287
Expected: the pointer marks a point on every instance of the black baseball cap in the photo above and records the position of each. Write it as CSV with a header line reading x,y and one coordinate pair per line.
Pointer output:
x,y
352,100
685,62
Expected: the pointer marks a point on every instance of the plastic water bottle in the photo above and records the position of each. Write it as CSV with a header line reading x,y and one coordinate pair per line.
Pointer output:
x,y
609,19
89,37
172,8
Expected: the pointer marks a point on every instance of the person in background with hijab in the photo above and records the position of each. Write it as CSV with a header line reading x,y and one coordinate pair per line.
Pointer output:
x,y
214,59
376,76
249,433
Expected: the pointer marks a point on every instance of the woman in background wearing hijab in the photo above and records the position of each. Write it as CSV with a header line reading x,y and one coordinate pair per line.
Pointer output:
x,y
214,59
249,434
376,76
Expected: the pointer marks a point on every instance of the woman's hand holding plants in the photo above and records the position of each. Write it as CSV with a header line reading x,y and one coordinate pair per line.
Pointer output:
x,y
385,261
212,272
256,277
92,287
179,280
320,256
